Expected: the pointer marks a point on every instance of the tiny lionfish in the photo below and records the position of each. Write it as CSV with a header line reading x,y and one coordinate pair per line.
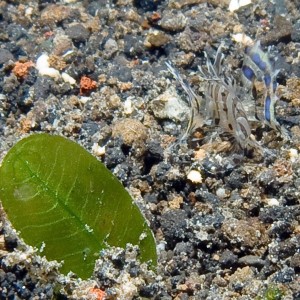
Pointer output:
x,y
221,105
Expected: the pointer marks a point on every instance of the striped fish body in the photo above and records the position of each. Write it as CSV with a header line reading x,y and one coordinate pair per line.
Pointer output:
x,y
257,65
221,106
226,111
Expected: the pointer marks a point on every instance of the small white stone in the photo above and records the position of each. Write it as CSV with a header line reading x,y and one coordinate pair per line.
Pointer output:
x,y
169,106
221,193
195,176
174,109
42,62
67,78
273,202
43,67
128,107
51,72
84,99
161,246
55,123
202,235
236,4
293,154
28,12
242,38
98,150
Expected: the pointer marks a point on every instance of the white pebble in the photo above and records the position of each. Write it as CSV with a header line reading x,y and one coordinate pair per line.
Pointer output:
x,y
84,99
221,193
42,62
161,246
242,38
128,106
273,202
236,4
195,176
98,150
51,72
28,12
67,78
43,67
169,106
293,153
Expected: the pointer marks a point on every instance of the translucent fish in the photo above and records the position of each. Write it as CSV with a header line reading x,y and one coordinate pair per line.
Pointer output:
x,y
195,102
221,106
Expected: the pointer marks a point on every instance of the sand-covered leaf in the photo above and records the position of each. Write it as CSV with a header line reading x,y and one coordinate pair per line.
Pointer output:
x,y
58,195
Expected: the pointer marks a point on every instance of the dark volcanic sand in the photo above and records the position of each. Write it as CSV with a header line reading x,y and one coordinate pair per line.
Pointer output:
x,y
236,234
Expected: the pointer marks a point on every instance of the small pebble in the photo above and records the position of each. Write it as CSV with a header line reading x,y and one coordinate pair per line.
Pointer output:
x,y
236,4
67,78
128,109
43,67
111,47
156,39
273,202
195,176
173,22
98,150
293,154
169,106
242,38
5,56
78,33
221,193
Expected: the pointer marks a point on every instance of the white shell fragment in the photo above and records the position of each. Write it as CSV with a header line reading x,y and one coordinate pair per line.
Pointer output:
x,y
243,39
195,176
293,154
67,78
51,72
43,67
273,202
42,62
236,4
98,150
128,109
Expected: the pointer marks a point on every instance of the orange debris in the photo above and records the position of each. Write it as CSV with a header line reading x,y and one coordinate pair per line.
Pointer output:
x,y
155,16
21,69
99,293
86,84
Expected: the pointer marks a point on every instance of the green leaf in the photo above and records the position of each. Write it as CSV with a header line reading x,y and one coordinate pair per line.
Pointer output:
x,y
57,194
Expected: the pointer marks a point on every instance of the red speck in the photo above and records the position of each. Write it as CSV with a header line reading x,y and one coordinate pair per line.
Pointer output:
x,y
87,84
